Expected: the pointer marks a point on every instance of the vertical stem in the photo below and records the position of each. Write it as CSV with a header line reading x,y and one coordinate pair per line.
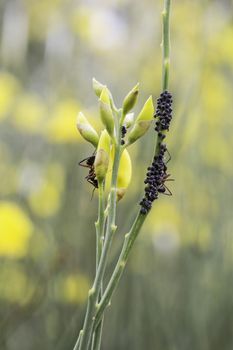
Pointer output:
x,y
93,293
166,44
96,338
136,227
120,266
95,310
99,225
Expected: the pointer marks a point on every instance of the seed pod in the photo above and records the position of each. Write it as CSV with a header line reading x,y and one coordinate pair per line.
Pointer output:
x,y
129,119
86,130
143,121
130,99
102,156
97,87
106,111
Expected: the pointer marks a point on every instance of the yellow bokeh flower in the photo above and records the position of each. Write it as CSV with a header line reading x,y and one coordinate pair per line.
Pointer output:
x,y
166,213
45,200
19,288
75,288
29,114
15,230
61,127
8,87
72,288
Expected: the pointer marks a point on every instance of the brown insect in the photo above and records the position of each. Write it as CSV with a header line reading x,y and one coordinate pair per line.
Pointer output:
x,y
162,187
91,177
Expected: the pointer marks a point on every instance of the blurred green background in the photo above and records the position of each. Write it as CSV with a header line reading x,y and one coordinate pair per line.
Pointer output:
x,y
177,292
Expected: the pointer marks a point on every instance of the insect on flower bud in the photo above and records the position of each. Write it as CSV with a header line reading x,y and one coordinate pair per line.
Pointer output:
x,y
86,130
142,122
130,99
102,156
106,111
129,119
97,87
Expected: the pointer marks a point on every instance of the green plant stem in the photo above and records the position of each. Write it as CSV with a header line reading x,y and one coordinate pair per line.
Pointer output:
x,y
95,310
93,293
100,225
97,335
120,266
96,338
166,44
78,340
133,233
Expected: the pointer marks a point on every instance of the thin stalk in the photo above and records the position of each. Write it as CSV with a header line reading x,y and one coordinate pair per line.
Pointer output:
x,y
110,230
99,225
78,340
166,44
120,266
96,338
133,233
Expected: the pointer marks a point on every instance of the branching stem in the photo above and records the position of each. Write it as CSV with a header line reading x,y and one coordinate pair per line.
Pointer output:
x,y
132,235
97,302
110,230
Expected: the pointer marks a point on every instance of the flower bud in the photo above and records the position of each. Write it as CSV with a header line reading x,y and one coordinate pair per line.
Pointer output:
x,y
86,130
129,119
97,87
106,111
124,174
130,99
143,121
102,156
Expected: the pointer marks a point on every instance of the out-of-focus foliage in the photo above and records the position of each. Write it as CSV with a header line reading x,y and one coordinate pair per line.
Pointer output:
x,y
177,291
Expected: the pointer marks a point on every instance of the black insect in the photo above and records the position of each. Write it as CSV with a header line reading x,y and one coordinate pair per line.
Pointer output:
x,y
156,177
91,177
163,112
123,133
162,188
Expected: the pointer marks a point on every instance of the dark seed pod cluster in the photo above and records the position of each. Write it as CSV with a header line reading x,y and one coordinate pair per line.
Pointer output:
x,y
123,133
157,173
163,112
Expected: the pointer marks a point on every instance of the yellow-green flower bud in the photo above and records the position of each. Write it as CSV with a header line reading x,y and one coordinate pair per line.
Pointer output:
x,y
124,174
106,111
97,87
129,119
102,156
86,130
130,99
142,122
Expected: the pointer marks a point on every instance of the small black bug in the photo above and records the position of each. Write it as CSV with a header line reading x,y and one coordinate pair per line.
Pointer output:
x,y
91,177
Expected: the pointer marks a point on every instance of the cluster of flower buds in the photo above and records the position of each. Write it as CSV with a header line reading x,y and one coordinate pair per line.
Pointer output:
x,y
119,126
163,112
157,173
